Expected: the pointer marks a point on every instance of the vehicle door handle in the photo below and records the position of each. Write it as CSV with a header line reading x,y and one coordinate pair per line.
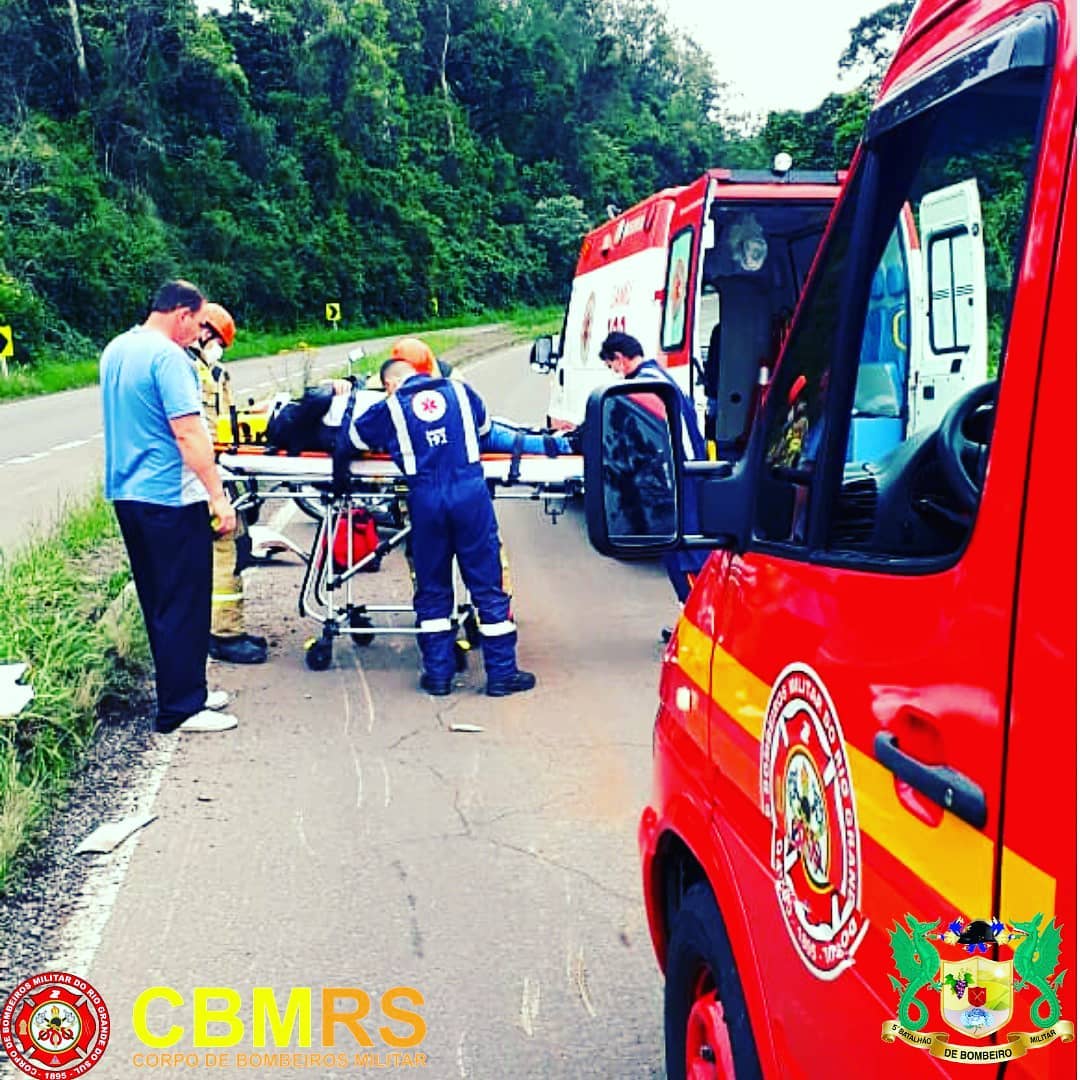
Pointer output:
x,y
945,786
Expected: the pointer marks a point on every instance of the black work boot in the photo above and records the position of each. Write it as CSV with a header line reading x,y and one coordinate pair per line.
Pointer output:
x,y
256,639
515,683
435,687
236,650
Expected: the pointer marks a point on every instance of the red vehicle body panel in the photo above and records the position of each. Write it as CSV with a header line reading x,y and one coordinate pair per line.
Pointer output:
x,y
973,665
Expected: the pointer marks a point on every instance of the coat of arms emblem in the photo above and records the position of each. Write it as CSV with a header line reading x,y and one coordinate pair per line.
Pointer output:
x,y
977,987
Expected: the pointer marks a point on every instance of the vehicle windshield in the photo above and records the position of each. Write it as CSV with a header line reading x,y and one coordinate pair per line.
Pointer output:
x,y
909,316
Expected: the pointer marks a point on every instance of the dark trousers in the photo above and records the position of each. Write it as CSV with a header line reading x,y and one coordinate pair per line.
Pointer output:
x,y
454,516
170,552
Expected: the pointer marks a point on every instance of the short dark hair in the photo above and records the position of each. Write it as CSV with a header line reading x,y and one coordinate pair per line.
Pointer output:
x,y
177,294
622,343
395,367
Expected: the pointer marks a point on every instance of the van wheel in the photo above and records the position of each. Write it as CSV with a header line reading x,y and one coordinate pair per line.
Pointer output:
x,y
706,1026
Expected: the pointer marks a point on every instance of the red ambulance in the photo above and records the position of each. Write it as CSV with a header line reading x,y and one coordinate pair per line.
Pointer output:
x,y
867,725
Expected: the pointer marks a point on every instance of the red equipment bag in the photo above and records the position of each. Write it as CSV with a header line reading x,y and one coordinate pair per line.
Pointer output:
x,y
365,539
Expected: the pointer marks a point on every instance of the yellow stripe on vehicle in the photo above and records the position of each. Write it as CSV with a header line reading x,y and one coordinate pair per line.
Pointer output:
x,y
953,858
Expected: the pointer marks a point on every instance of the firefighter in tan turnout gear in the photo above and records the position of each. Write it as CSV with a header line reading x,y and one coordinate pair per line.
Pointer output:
x,y
228,640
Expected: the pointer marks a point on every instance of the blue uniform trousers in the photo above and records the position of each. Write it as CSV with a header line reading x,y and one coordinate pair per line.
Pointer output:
x,y
452,517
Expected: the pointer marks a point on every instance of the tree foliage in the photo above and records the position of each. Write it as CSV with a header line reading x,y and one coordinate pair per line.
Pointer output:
x,y
399,156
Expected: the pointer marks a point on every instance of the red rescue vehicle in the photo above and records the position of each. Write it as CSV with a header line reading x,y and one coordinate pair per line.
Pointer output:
x,y
865,801
706,276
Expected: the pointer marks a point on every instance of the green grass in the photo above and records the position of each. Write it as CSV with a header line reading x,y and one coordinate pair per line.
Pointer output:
x,y
71,374
48,378
85,653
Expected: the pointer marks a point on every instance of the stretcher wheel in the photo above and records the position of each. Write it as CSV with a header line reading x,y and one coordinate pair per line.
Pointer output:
x,y
472,630
319,655
461,656
357,621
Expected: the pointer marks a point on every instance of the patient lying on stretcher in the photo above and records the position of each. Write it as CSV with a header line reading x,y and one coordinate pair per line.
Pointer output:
x,y
503,436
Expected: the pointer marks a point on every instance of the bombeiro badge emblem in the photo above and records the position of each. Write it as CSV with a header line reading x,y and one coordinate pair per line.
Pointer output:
x,y
54,1025
807,795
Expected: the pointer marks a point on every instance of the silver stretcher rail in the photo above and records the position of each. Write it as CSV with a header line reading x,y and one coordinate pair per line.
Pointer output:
x,y
330,592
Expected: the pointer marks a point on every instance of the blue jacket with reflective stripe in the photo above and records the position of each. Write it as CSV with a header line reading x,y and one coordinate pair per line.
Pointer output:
x,y
430,427
693,441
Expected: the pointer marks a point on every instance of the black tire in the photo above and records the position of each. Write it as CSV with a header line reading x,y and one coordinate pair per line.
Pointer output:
x,y
472,630
319,655
699,961
357,621
312,509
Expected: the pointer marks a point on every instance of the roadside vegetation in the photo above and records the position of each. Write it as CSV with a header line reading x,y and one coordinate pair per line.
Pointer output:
x,y
385,157
65,612
51,376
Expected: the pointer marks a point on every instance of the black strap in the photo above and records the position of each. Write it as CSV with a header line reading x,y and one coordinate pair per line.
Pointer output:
x,y
514,474
343,447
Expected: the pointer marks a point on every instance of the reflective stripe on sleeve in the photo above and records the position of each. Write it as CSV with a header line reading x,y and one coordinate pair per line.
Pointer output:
x,y
498,629
401,428
468,422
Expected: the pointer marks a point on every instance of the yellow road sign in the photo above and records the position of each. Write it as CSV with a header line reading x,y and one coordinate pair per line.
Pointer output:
x,y
333,312
7,342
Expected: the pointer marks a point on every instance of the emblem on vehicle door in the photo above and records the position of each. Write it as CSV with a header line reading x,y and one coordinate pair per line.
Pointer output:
x,y
808,796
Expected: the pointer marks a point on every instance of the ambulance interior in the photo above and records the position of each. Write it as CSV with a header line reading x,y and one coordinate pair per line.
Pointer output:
x,y
752,274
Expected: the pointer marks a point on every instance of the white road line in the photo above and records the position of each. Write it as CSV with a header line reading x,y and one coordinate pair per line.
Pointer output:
x,y
68,445
463,1069
367,698
82,934
359,778
530,1005
299,821
386,783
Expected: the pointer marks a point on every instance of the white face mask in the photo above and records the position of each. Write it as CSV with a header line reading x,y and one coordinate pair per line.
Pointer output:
x,y
212,351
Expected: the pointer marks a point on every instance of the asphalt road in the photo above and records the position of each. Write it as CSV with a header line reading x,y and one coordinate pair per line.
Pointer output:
x,y
344,836
51,447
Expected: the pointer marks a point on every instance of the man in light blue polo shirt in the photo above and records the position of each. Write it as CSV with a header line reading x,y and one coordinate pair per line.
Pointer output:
x,y
159,473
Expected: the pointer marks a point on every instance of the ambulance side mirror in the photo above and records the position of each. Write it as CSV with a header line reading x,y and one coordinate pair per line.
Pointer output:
x,y
633,476
636,485
542,356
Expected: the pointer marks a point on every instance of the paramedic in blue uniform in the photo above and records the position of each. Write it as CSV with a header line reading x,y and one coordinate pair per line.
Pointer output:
x,y
623,355
432,428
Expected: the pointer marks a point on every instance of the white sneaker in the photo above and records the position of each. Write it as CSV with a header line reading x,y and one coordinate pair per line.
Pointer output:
x,y
216,699
207,720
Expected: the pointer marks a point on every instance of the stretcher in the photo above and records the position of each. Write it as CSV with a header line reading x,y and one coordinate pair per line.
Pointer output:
x,y
331,592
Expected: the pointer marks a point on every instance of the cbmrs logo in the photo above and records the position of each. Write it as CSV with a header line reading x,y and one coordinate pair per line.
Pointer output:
x,y
217,1018
55,1025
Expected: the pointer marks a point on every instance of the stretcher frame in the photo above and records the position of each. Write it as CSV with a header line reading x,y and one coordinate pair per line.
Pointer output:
x,y
329,597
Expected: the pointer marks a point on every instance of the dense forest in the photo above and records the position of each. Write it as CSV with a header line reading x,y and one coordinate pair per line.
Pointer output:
x,y
406,157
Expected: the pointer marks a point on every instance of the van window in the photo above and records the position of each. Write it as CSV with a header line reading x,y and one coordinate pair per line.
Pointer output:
x,y
752,276
896,334
675,294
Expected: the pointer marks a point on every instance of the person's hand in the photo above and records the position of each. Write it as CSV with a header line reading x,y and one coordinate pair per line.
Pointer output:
x,y
222,515
341,386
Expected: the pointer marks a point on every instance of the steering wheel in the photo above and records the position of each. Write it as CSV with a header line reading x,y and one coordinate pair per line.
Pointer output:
x,y
962,459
